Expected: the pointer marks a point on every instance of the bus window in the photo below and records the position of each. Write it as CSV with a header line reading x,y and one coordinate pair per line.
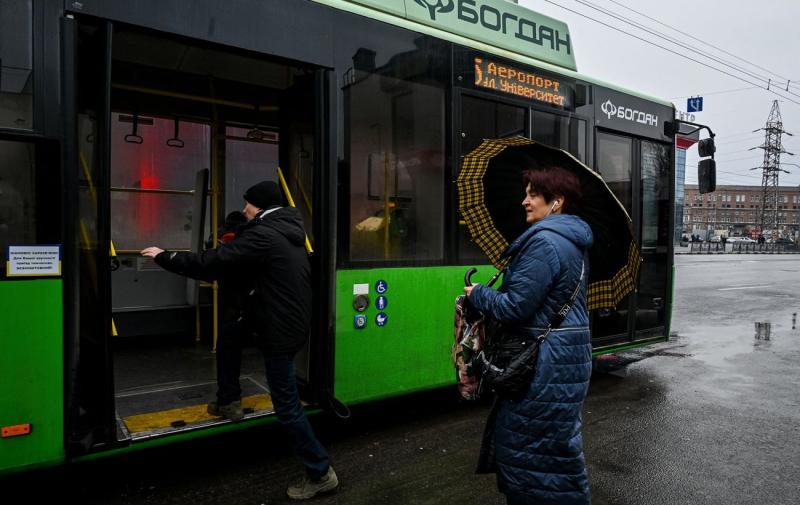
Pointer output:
x,y
564,132
140,216
614,162
16,64
17,198
395,123
29,198
484,119
247,162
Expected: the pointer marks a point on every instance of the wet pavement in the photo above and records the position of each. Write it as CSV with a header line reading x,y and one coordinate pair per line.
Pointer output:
x,y
710,417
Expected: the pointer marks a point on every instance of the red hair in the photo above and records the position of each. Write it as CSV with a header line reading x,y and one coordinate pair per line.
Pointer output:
x,y
551,182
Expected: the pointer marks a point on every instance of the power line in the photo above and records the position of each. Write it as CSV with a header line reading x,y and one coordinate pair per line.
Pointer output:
x,y
747,170
728,153
724,157
738,141
716,92
671,51
788,81
750,158
678,42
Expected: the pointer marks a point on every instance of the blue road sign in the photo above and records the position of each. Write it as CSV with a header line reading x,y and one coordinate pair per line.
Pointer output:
x,y
381,302
380,319
381,287
360,321
694,104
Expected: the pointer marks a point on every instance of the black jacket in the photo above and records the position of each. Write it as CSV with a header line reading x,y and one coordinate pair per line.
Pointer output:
x,y
270,254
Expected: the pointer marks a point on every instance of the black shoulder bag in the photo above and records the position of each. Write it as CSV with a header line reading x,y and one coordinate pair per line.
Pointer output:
x,y
510,364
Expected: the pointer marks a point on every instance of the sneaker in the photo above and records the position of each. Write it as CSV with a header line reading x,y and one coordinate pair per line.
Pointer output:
x,y
308,488
232,410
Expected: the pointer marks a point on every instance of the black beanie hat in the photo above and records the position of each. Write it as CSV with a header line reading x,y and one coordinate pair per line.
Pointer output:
x,y
263,195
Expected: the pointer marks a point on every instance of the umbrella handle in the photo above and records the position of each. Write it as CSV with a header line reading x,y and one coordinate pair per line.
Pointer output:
x,y
468,276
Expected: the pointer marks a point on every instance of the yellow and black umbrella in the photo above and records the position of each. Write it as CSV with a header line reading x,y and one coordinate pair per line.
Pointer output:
x,y
490,194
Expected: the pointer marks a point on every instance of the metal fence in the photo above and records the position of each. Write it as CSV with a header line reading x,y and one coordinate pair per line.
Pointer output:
x,y
741,248
755,248
706,248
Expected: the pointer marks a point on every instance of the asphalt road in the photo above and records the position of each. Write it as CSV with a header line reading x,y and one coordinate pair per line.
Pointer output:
x,y
711,417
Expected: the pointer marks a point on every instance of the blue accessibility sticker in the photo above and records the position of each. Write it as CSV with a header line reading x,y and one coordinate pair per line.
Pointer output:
x,y
381,319
381,302
360,321
381,286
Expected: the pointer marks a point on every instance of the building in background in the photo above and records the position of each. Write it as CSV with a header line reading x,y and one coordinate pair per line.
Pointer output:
x,y
734,211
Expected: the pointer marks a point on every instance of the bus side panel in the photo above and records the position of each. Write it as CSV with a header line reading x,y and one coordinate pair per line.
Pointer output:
x,y
31,373
411,352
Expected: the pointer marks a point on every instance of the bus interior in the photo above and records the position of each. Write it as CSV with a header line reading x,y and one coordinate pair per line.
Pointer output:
x,y
189,129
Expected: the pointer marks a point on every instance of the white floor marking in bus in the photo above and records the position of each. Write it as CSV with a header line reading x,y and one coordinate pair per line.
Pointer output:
x,y
745,287
159,390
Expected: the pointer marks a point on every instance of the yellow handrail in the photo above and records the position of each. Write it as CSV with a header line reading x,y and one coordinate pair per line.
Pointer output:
x,y
289,198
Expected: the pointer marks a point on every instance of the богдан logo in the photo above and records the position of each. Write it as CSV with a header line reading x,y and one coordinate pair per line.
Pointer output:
x,y
609,109
435,6
628,114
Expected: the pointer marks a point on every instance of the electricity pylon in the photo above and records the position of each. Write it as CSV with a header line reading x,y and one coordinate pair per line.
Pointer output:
x,y
771,168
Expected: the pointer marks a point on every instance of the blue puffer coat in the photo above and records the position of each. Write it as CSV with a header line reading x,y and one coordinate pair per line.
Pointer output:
x,y
537,448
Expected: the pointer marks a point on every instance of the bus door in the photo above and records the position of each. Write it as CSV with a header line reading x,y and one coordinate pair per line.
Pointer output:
x,y
88,374
639,173
655,194
178,135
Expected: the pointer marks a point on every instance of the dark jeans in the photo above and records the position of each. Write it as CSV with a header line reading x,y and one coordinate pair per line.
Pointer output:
x,y
281,376
282,380
229,363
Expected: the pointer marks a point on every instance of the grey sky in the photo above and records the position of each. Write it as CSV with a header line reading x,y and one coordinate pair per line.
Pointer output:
x,y
762,32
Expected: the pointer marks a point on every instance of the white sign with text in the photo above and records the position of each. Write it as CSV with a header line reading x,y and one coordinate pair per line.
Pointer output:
x,y
33,260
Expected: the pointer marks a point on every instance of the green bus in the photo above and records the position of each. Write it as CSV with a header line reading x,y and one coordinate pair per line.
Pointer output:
x,y
129,124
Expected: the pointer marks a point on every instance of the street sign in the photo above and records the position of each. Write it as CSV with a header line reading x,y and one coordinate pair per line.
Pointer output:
x,y
694,104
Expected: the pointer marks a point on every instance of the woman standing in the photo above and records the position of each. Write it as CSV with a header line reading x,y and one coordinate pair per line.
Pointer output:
x,y
534,444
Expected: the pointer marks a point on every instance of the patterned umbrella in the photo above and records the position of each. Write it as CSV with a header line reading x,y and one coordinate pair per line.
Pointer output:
x,y
490,194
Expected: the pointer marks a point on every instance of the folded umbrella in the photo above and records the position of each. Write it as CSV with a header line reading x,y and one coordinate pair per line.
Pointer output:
x,y
490,194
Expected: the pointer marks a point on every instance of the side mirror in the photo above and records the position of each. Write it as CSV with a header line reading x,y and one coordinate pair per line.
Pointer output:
x,y
706,147
707,176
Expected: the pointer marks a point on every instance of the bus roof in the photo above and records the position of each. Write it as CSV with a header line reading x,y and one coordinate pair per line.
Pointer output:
x,y
395,12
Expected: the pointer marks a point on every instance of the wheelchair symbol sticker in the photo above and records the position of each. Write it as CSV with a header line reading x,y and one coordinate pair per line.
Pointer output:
x,y
381,286
360,321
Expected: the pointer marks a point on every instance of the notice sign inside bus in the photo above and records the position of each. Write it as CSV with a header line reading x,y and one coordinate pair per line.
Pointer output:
x,y
33,260
515,81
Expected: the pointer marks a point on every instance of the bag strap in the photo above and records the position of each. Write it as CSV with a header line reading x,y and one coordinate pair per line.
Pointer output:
x,y
559,317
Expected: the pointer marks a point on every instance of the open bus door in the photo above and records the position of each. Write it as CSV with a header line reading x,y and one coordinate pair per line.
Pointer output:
x,y
144,142
89,407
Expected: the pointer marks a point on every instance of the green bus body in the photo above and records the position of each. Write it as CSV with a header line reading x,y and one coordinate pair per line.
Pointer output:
x,y
45,348
410,353
31,372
